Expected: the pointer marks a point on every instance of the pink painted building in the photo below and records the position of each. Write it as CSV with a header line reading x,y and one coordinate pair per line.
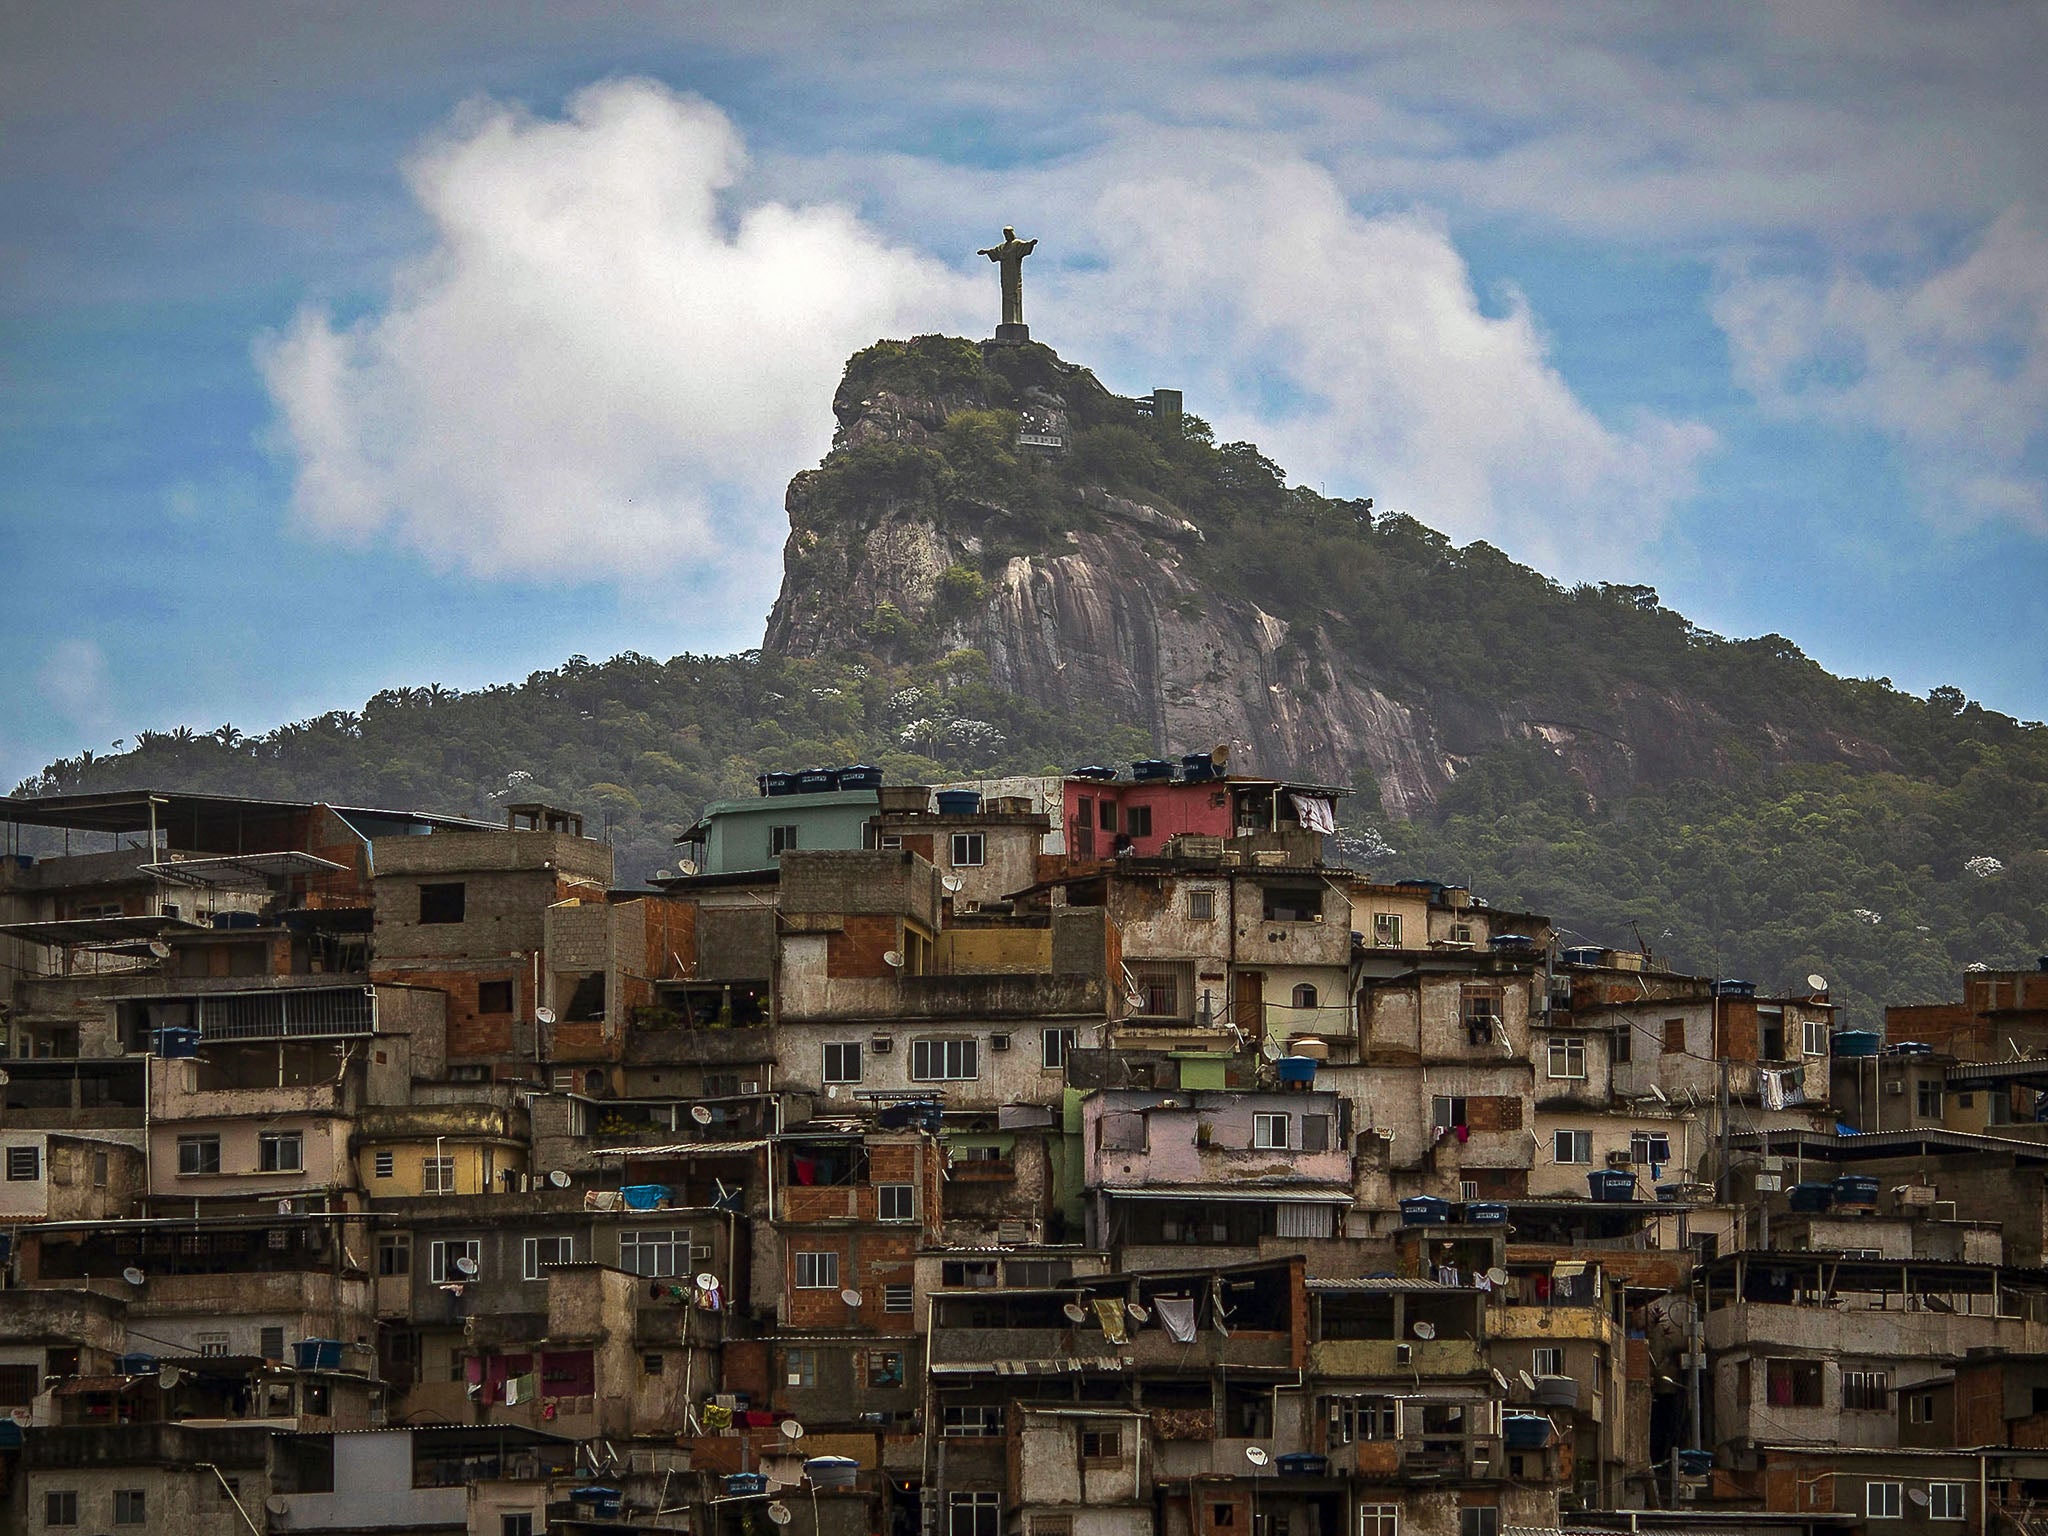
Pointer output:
x,y
1105,817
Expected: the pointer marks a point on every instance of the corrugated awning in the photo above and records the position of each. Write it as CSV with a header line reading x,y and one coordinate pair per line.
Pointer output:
x,y
1206,1192
682,1149
1065,1365
242,868
99,930
80,1386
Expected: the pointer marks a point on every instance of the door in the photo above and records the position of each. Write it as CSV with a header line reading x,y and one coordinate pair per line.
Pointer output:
x,y
1248,1002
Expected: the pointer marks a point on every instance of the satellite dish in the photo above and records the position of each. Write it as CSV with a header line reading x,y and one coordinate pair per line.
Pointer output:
x,y
544,1015
466,1266
1658,1094
664,874
851,1298
1528,1381
707,1282
791,1430
1818,982
160,949
893,958
1918,1496
133,1275
1271,1049
1138,1314
1425,1329
169,1376
686,867
952,882
5,1079
1134,999
1257,1455
1500,1378
1076,1313
278,1504
779,1513
559,1178
1497,1275
701,1113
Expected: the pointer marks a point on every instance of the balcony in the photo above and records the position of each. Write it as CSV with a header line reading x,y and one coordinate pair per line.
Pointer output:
x,y
1370,1359
837,999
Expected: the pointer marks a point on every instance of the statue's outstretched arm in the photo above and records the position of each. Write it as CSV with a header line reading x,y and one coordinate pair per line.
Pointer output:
x,y
991,254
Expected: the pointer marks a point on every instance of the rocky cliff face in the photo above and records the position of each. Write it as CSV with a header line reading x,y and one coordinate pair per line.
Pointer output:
x,y
1094,604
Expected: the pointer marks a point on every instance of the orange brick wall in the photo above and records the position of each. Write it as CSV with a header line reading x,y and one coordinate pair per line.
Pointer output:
x,y
856,950
470,1033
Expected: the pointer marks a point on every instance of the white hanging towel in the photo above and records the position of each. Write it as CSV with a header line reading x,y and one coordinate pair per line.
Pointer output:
x,y
1315,812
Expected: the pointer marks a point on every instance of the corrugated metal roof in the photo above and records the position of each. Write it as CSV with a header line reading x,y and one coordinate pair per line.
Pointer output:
x,y
1384,1284
1251,1190
682,1149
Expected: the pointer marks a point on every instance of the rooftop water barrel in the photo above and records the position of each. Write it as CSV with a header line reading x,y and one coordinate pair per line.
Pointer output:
x,y
1583,954
1296,1069
1152,769
1096,771
1525,1431
817,781
1302,1464
778,783
1425,1211
1485,1213
1311,1047
177,1040
604,1502
860,776
1858,1042
832,1471
1511,941
1196,767
1810,1197
135,1365
959,802
1612,1185
317,1354
1855,1189
1732,987
1557,1391
740,1484
1910,1048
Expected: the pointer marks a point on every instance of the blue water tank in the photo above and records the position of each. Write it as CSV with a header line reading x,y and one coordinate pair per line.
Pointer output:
x,y
1296,1069
1858,1042
1425,1211
1855,1189
778,783
832,1471
1611,1185
817,781
317,1354
1910,1048
740,1484
1096,772
177,1041
1198,767
1810,1197
1151,770
1302,1464
1485,1213
1734,988
1526,1431
1583,954
959,802
860,776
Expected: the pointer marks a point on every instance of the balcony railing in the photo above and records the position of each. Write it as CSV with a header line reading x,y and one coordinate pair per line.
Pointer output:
x,y
293,1013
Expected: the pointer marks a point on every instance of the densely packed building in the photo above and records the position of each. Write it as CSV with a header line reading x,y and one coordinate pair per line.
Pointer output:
x,y
1075,1156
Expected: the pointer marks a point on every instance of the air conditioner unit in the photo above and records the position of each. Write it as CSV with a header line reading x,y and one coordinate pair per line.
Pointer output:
x,y
752,1085
1621,1160
1895,1087
882,1045
999,1042
969,906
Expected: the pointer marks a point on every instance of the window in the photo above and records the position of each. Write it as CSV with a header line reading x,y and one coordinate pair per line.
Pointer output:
x,y
1138,821
1920,1408
973,1421
1881,1500
974,1514
1468,1190
933,1061
198,1154
281,1152
520,1524
1546,1360
1287,904
444,1259
1362,1418
60,1508
968,850
657,1254
1379,1520
1930,1100
800,1367
1815,1032
212,1346
1447,1111
1945,1501
536,1251
270,1341
1102,1444
781,840
978,1273
1793,1384
394,1253
1158,990
1651,1147
1055,1045
99,1170
1269,1132
1304,996
1863,1391
896,1202
494,997
1625,1043
817,1271
130,1508
897,1296
1201,906
386,1164
1674,1037
437,1175
1480,1008
24,1163
1479,1520
443,903
842,1061
1386,930
885,1368
1567,1057
1571,1146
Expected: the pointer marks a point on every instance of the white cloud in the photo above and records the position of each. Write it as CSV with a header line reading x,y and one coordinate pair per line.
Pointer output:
x,y
1952,363
74,681
1356,351
609,362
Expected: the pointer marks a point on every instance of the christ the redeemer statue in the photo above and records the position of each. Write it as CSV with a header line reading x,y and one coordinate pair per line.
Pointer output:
x,y
1010,257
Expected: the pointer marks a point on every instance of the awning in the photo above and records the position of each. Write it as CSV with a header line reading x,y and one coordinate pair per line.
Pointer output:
x,y
242,868
99,930
80,1386
1240,1192
683,1149
1066,1365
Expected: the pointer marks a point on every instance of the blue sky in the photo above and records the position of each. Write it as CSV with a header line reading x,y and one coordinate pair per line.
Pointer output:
x,y
344,348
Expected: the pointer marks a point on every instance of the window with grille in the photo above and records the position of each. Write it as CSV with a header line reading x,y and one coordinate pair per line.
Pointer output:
x,y
24,1163
974,1514
1882,1501
1162,991
1362,1418
817,1271
536,1251
1201,906
1625,1043
1304,996
1054,1047
896,1202
1379,1520
968,850
386,1164
842,1061
1568,1057
270,1342
281,1152
213,1346
933,1061
198,1154
1945,1501
972,1421
897,1296
800,1367
656,1254
1863,1391
1572,1146
1101,1444
437,1175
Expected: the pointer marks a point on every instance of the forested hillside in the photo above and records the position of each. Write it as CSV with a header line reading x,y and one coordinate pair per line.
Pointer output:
x,y
1581,751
